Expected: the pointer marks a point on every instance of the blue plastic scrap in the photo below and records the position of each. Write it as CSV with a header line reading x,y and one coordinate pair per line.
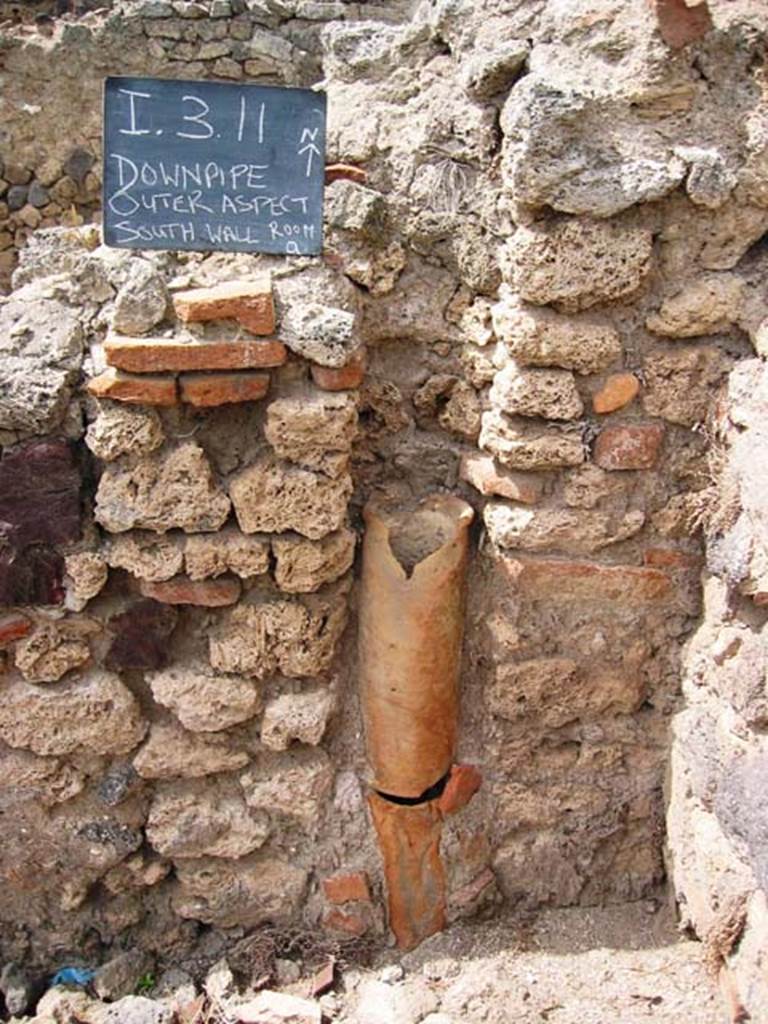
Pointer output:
x,y
80,976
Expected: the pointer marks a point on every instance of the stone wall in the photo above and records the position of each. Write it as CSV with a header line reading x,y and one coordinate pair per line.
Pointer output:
x,y
718,816
543,243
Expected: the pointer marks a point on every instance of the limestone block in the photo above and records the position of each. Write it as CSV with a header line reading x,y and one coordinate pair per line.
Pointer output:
x,y
86,574
205,702
541,337
461,414
680,384
324,334
207,818
303,566
170,751
297,638
53,649
296,716
279,1008
520,445
588,486
354,208
41,346
579,532
93,714
272,497
25,776
141,302
490,72
577,262
295,784
242,893
227,551
557,690
124,430
706,305
174,488
581,150
550,394
314,429
145,555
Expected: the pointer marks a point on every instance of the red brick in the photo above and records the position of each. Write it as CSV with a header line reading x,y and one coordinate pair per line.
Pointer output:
x,y
342,921
617,391
209,389
182,590
464,781
144,389
588,581
347,888
486,477
670,558
341,378
348,172
469,893
680,24
13,627
629,446
148,355
248,302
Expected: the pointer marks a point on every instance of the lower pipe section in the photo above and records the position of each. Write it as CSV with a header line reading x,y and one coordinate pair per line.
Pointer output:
x,y
409,838
410,635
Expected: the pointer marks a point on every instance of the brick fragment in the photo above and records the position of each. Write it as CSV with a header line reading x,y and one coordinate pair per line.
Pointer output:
x,y
248,302
340,378
556,580
342,921
213,593
346,172
13,627
482,472
618,390
464,781
151,355
205,390
143,389
629,446
670,558
347,888
680,24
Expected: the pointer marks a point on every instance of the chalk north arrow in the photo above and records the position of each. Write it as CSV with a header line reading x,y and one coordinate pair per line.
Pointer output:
x,y
310,148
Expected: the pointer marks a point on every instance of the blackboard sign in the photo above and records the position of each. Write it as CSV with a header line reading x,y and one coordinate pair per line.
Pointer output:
x,y
210,165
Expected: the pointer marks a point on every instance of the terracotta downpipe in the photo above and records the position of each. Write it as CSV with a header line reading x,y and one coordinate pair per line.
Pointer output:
x,y
410,635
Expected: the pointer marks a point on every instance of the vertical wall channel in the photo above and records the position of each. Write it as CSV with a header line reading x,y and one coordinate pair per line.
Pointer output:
x,y
410,637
